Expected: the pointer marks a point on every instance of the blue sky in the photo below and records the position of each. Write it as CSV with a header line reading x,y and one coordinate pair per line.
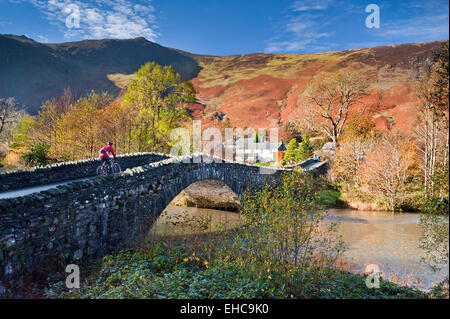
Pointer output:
x,y
225,27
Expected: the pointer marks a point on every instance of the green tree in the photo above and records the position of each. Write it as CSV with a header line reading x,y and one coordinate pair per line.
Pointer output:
x,y
160,96
305,150
291,154
21,136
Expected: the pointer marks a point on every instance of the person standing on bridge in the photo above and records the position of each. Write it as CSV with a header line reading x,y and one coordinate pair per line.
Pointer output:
x,y
105,151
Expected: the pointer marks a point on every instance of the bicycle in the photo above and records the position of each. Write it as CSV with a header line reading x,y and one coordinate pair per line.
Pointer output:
x,y
106,168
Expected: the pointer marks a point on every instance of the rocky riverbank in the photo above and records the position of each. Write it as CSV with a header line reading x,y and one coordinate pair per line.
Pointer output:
x,y
208,193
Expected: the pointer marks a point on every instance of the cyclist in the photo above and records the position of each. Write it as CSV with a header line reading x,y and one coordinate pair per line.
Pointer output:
x,y
104,153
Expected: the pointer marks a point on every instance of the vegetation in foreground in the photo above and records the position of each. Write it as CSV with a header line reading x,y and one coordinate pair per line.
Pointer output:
x,y
281,251
175,272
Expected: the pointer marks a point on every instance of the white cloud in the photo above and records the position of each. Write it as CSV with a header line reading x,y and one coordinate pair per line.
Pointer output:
x,y
426,26
304,32
42,38
4,22
119,19
313,26
308,5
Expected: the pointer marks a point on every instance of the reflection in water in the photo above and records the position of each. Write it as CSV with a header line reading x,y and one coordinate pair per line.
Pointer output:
x,y
389,240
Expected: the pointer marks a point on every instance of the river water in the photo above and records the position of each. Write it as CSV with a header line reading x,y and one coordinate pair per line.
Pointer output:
x,y
389,240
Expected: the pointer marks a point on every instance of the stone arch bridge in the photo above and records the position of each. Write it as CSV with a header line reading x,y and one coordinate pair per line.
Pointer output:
x,y
93,217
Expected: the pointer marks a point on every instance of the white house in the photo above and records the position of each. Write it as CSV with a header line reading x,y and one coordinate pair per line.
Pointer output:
x,y
245,149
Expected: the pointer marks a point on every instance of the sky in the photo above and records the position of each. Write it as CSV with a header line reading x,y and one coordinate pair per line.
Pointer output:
x,y
227,27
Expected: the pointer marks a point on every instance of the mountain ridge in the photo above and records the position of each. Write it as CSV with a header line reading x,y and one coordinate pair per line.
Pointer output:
x,y
45,70
247,90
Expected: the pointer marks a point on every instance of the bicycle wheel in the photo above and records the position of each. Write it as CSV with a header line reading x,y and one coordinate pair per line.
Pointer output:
x,y
116,168
101,170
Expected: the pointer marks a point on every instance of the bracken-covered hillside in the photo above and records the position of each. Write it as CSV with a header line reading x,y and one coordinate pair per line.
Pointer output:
x,y
264,90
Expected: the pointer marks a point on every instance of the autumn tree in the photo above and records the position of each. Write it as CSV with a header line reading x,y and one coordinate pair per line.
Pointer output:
x,y
328,100
79,127
160,96
348,158
118,122
439,95
45,129
359,138
388,169
360,126
69,129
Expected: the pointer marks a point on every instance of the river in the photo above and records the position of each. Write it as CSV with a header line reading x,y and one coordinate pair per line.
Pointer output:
x,y
389,240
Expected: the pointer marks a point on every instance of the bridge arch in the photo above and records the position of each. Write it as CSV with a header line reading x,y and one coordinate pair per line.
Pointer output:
x,y
208,193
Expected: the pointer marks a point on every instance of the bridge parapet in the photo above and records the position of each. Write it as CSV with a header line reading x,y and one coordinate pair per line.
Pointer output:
x,y
68,170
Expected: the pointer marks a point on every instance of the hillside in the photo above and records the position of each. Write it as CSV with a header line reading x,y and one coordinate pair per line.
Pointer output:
x,y
254,90
33,72
264,90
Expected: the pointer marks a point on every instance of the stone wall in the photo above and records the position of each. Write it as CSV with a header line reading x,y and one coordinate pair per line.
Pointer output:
x,y
91,218
68,170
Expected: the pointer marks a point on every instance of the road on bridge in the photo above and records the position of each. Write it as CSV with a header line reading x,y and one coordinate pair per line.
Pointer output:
x,y
38,188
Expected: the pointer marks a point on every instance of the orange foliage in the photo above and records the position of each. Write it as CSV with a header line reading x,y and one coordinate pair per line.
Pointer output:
x,y
388,169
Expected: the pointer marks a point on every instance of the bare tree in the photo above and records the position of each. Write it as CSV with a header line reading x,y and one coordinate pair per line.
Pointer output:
x,y
387,170
9,112
349,157
327,101
433,125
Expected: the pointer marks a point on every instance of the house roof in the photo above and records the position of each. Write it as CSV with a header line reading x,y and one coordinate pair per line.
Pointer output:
x,y
282,147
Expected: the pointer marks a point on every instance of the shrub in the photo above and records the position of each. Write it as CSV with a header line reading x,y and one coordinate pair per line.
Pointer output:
x,y
283,231
37,156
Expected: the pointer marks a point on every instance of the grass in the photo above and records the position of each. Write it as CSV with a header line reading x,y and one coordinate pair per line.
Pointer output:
x,y
285,66
332,198
120,80
271,164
